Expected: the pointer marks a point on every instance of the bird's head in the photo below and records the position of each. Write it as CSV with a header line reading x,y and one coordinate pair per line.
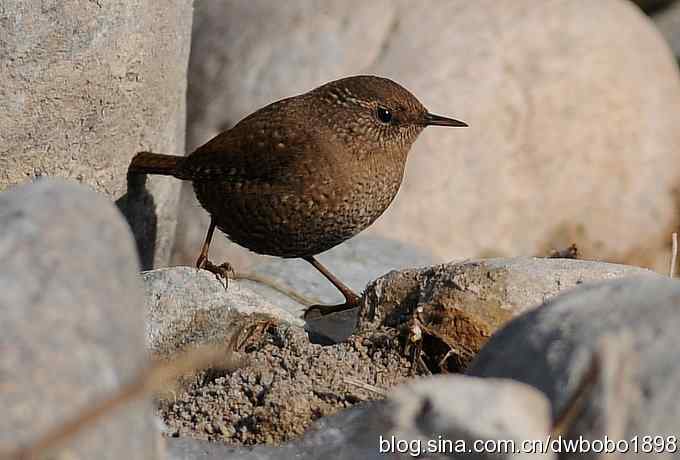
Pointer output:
x,y
373,113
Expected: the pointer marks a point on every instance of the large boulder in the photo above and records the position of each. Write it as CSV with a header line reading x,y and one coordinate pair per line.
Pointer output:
x,y
457,307
85,85
71,322
630,327
572,105
490,290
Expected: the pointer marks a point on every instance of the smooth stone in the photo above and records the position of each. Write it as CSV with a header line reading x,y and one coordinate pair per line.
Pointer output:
x,y
552,347
85,86
71,328
184,305
489,290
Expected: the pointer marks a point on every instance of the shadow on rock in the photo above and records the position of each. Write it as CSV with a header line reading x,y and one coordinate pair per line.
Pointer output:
x,y
139,209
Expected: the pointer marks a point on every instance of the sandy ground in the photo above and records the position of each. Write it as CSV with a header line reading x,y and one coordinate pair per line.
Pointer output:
x,y
284,383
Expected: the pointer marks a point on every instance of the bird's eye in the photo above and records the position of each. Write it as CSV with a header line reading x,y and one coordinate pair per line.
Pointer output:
x,y
384,115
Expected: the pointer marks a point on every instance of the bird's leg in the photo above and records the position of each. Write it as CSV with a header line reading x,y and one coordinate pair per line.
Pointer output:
x,y
221,271
351,299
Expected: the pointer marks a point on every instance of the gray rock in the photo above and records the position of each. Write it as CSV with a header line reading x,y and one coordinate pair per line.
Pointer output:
x,y
462,409
182,291
72,329
571,79
491,290
456,307
332,328
85,86
551,348
195,449
185,305
446,407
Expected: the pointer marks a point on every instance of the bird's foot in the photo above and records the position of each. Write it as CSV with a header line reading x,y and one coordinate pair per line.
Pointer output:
x,y
318,311
221,272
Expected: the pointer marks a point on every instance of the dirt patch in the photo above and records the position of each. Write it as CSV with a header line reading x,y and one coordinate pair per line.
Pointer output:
x,y
284,384
414,322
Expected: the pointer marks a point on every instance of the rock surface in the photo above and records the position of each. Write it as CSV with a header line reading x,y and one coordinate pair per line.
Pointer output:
x,y
459,408
184,302
446,406
85,86
551,93
71,328
458,306
551,348
185,305
484,286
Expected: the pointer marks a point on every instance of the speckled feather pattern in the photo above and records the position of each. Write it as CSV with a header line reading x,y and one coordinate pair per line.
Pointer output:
x,y
306,173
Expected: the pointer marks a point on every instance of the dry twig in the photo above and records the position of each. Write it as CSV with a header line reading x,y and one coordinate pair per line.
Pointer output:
x,y
306,301
674,255
365,386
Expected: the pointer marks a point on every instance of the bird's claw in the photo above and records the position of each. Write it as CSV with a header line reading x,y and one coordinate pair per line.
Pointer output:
x,y
222,272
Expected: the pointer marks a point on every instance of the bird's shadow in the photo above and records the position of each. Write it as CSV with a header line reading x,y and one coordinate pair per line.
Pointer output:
x,y
139,208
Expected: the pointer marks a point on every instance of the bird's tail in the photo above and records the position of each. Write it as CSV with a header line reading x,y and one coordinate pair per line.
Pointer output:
x,y
154,163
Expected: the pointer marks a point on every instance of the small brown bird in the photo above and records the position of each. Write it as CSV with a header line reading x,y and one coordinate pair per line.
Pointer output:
x,y
306,173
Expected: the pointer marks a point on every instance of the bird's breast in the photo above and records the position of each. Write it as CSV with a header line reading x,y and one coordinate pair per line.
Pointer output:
x,y
295,218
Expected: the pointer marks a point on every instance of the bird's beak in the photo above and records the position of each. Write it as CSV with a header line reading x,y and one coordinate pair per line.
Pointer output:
x,y
437,120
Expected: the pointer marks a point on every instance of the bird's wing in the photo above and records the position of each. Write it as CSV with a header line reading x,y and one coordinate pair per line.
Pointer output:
x,y
259,148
